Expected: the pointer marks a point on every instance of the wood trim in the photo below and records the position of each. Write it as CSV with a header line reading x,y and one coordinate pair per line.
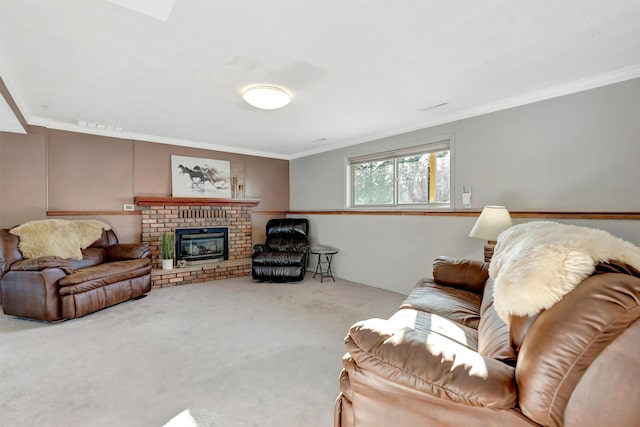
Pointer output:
x,y
191,201
578,215
91,213
283,213
473,213
391,213
631,216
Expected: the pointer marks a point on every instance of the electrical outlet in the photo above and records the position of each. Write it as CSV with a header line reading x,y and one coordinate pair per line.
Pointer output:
x,y
129,207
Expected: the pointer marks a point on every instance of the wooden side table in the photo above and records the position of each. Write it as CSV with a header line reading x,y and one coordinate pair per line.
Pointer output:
x,y
328,254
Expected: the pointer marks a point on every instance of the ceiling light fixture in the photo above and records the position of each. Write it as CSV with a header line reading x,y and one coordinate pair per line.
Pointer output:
x,y
266,97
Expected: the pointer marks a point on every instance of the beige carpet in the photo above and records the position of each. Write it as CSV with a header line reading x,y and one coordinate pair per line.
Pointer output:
x,y
224,353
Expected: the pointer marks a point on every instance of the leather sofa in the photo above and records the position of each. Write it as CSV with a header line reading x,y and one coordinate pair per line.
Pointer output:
x,y
445,358
52,288
283,256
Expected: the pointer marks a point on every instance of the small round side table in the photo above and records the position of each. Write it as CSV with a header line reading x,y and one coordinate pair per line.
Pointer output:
x,y
328,254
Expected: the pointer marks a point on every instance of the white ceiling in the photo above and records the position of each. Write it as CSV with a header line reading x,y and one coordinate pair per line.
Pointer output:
x,y
357,69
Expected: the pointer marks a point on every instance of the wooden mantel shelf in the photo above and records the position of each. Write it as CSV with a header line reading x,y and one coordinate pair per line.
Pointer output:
x,y
191,201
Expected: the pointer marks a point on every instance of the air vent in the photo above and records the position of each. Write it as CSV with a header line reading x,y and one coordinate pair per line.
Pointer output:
x,y
434,106
200,213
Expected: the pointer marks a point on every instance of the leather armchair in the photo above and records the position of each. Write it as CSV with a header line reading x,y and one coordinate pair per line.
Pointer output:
x,y
51,288
283,256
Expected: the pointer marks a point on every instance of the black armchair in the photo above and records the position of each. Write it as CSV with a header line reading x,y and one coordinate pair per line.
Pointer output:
x,y
283,256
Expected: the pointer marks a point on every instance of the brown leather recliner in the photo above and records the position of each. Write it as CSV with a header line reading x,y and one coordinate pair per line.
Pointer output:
x,y
52,288
445,358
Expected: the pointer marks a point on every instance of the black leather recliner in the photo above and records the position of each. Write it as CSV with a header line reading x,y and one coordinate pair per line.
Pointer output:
x,y
283,256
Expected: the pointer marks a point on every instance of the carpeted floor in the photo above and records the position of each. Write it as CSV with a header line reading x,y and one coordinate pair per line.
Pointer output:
x,y
224,353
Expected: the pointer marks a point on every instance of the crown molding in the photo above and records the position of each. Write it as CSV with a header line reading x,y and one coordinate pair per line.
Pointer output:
x,y
556,91
576,86
53,124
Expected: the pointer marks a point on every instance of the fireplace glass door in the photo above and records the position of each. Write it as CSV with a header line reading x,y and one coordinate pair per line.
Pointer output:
x,y
197,246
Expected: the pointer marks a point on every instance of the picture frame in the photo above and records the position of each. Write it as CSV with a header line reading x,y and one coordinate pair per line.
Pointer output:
x,y
199,177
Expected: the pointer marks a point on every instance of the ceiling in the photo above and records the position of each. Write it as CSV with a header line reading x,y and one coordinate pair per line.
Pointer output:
x,y
357,69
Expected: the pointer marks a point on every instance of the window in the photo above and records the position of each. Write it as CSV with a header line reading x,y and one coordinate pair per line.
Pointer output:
x,y
409,177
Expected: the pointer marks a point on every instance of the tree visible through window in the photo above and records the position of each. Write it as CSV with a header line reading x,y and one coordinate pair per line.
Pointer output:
x,y
417,176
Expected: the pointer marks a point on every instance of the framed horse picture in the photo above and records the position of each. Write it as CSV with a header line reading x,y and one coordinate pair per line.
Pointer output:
x,y
196,177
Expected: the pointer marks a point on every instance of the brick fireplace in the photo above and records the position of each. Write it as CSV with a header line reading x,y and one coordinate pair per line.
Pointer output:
x,y
165,214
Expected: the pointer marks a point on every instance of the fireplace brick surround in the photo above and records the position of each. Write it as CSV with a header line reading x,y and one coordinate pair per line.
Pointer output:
x,y
164,214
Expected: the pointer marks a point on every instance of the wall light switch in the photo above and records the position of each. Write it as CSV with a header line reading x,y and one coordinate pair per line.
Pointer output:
x,y
129,207
466,196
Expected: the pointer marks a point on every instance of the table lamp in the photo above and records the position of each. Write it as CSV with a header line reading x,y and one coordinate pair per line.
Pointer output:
x,y
492,221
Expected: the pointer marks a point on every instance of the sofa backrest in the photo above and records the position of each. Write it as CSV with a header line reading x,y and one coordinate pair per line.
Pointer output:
x,y
95,254
566,339
493,333
467,274
9,252
107,239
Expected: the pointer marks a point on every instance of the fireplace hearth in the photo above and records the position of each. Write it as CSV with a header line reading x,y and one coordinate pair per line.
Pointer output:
x,y
202,245
168,214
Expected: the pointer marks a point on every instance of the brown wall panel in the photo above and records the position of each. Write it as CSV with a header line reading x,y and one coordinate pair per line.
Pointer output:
x,y
89,172
264,178
95,173
153,165
267,179
22,177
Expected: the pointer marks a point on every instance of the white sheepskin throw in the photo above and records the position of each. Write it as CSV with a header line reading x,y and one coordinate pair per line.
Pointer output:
x,y
537,263
57,237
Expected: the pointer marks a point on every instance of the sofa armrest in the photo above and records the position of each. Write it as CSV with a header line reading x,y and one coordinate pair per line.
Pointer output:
x,y
125,251
469,275
38,264
430,363
32,294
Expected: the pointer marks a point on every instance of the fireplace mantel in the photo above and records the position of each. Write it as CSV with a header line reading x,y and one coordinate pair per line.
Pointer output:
x,y
191,201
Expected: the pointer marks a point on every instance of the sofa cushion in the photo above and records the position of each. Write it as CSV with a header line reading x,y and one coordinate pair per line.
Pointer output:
x,y
432,323
493,333
454,304
430,363
275,259
103,271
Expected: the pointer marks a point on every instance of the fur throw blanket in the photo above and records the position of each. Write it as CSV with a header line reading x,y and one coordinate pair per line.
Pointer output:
x,y
57,237
537,263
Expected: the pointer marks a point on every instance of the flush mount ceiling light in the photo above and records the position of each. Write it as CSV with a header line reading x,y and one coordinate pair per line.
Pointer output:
x,y
266,97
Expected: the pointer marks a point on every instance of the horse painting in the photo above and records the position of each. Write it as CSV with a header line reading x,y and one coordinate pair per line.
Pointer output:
x,y
217,176
200,177
196,174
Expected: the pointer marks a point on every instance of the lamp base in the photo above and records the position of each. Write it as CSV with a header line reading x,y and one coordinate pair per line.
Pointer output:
x,y
488,250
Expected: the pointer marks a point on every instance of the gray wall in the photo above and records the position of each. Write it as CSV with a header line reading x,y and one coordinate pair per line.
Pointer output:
x,y
579,152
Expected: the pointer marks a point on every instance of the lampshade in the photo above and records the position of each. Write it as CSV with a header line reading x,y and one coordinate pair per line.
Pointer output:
x,y
492,221
266,97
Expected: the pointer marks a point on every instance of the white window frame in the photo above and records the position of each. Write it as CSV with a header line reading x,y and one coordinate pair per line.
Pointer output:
x,y
394,155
